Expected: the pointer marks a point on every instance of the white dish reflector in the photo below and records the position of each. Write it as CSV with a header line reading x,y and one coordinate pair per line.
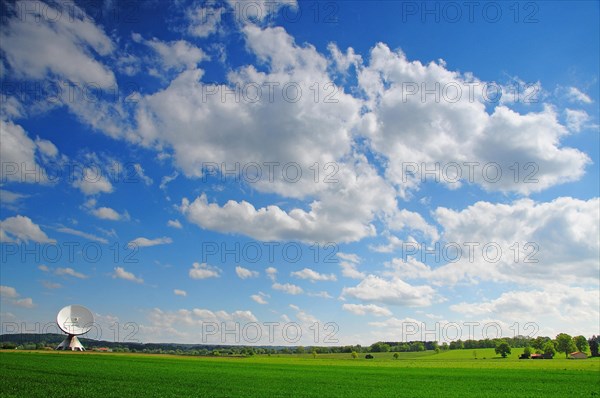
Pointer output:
x,y
75,320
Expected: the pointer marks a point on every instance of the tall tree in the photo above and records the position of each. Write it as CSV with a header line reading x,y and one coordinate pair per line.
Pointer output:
x,y
581,343
539,342
502,348
565,343
594,342
549,348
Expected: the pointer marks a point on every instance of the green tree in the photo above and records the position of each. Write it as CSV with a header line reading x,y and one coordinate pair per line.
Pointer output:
x,y
502,348
404,347
396,355
581,343
380,347
417,346
527,352
300,350
314,353
594,342
354,355
539,342
549,348
457,345
565,343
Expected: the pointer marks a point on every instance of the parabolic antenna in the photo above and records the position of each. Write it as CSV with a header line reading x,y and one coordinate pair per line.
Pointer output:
x,y
74,320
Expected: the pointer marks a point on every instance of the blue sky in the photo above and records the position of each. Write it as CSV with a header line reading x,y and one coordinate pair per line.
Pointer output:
x,y
367,170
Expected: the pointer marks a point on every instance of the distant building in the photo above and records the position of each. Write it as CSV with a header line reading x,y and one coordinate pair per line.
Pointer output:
x,y
547,356
578,355
541,356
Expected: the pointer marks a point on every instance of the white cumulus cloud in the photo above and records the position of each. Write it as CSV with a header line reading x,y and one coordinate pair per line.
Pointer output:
x,y
204,271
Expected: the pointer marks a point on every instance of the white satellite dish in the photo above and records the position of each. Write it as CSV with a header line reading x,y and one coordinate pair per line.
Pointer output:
x,y
74,320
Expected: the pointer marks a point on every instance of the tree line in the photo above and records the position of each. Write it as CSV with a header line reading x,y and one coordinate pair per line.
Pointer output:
x,y
562,343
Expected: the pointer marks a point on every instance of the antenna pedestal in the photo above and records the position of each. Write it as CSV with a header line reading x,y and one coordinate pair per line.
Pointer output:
x,y
72,343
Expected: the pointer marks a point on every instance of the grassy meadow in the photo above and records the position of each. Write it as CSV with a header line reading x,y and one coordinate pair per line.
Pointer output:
x,y
425,374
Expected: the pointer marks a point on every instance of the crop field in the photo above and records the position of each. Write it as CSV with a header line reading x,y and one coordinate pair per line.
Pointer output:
x,y
448,374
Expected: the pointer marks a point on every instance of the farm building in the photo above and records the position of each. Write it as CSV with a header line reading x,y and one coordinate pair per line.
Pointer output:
x,y
541,356
577,355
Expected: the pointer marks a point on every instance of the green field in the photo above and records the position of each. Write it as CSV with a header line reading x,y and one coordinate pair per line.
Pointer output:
x,y
448,374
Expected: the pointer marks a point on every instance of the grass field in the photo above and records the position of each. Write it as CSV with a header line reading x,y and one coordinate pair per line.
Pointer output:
x,y
448,374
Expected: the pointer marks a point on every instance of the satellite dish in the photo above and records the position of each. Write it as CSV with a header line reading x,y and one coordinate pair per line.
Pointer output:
x,y
74,320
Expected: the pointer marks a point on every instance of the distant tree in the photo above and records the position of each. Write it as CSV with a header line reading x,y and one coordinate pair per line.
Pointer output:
x,y
369,356
457,345
396,355
216,353
314,353
379,347
565,343
502,348
539,342
300,350
527,352
581,343
444,346
549,348
417,346
354,355
437,350
404,347
594,343
469,344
